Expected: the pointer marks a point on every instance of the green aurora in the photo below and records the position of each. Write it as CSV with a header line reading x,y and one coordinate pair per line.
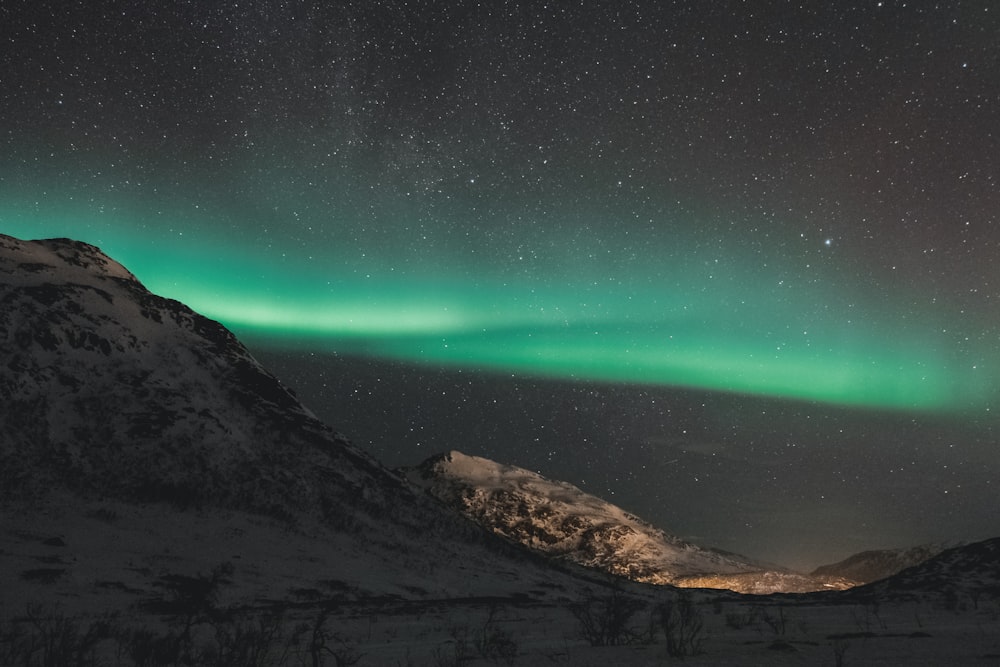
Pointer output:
x,y
685,321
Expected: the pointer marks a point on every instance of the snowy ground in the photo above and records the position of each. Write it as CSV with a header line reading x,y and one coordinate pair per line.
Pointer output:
x,y
367,605
807,634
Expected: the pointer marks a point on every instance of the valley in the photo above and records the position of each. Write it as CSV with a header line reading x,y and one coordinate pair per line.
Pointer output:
x,y
166,501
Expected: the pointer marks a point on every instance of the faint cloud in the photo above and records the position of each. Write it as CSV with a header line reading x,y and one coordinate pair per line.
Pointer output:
x,y
679,448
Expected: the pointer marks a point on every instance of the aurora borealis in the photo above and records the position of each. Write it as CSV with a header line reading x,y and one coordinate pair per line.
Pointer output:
x,y
709,323
731,265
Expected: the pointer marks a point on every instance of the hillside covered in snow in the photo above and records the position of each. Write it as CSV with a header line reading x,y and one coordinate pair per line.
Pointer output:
x,y
563,522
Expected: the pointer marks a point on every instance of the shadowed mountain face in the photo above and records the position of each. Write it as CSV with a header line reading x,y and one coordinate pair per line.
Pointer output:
x,y
563,522
112,389
961,577
869,566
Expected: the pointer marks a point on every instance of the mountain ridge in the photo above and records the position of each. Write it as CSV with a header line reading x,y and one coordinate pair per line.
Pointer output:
x,y
117,395
959,575
78,328
874,564
567,524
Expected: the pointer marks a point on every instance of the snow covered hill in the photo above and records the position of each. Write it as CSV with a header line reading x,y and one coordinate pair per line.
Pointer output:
x,y
116,390
869,566
113,394
963,575
560,520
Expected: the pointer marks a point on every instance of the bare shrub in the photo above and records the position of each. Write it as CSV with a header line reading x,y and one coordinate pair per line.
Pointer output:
x,y
840,652
607,620
775,620
495,643
47,637
256,642
324,643
737,620
682,626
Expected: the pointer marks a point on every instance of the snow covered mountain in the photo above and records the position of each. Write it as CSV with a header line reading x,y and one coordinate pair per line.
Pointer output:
x,y
112,394
563,522
960,577
868,566
115,391
112,389
160,491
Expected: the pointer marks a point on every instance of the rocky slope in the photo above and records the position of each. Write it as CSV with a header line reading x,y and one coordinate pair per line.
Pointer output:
x,y
563,522
115,390
869,566
957,578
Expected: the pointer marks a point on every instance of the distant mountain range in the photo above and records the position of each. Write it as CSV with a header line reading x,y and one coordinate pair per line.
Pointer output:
x,y
869,566
962,575
121,403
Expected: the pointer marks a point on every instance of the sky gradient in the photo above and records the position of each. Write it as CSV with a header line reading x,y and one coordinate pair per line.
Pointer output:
x,y
637,246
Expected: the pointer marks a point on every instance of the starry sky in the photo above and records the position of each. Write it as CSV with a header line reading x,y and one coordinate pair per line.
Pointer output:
x,y
730,265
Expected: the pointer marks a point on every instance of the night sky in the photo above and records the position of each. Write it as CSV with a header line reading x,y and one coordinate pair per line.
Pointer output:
x,y
730,265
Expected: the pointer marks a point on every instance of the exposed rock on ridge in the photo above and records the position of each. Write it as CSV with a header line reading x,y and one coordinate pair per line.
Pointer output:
x,y
113,390
560,520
